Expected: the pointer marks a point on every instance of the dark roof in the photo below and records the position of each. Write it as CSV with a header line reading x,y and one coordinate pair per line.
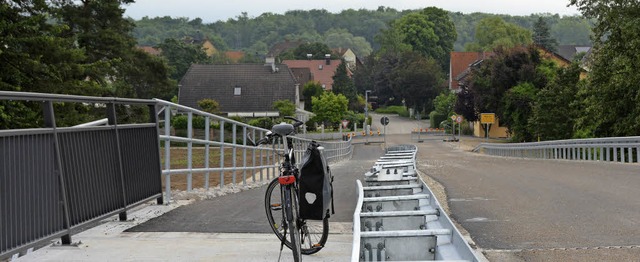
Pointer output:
x,y
260,86
282,47
302,75
569,51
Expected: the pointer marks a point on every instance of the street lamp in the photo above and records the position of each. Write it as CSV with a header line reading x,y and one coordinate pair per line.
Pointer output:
x,y
366,115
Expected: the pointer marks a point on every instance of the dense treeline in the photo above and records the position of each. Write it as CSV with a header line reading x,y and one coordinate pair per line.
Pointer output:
x,y
256,34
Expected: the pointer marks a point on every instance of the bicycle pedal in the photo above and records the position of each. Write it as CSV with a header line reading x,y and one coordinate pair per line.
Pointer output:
x,y
316,245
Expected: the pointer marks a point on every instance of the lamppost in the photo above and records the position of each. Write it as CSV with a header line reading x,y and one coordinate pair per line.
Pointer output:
x,y
366,116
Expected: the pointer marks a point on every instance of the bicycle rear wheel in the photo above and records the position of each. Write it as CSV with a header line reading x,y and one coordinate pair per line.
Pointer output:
x,y
292,222
314,233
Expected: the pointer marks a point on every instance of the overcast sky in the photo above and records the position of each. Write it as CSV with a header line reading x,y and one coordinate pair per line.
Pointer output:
x,y
211,11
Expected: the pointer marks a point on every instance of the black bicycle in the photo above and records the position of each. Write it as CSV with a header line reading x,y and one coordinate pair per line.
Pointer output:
x,y
302,236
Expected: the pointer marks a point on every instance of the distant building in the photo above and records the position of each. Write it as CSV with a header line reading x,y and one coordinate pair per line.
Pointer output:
x,y
321,70
460,67
150,50
246,90
282,47
348,55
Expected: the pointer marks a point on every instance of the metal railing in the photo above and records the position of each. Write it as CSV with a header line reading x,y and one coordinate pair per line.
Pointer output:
x,y
220,154
612,149
55,181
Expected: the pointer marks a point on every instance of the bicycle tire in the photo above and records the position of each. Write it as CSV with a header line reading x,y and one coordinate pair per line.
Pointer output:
x,y
294,229
314,232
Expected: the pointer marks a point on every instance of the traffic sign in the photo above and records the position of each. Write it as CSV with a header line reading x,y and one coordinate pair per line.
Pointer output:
x,y
345,123
384,120
459,119
487,118
453,117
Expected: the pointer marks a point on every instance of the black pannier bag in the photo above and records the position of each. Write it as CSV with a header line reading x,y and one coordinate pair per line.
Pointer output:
x,y
316,191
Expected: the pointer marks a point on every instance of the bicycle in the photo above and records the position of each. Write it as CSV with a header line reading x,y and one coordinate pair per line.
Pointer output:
x,y
304,236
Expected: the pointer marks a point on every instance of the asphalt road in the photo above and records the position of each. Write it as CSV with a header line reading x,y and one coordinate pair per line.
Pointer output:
x,y
397,124
513,209
244,212
538,210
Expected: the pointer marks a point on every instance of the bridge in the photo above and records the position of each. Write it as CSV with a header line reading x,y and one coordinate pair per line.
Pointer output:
x,y
92,192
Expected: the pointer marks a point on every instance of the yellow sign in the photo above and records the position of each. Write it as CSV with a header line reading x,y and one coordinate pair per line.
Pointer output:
x,y
487,118
453,117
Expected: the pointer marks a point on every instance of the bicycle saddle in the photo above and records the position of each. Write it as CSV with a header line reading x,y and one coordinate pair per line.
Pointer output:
x,y
283,129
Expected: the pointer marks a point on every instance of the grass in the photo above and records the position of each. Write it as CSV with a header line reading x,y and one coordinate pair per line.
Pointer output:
x,y
179,160
399,110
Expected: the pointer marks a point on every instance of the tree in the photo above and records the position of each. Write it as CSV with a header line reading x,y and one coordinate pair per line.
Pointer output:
x,y
105,36
417,80
330,108
343,84
489,82
181,55
309,90
209,105
556,107
317,50
342,38
429,32
542,35
493,32
285,107
518,103
614,83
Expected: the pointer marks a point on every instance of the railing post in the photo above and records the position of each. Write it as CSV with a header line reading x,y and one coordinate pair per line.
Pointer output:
x,y
153,117
233,157
244,156
167,152
207,137
253,157
262,160
50,122
190,151
113,120
221,154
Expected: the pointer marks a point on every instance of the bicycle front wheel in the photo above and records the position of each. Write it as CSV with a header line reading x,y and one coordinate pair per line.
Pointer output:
x,y
314,233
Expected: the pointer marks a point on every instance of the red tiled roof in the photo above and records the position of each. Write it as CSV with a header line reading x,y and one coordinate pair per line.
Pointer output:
x,y
320,71
460,61
234,56
150,50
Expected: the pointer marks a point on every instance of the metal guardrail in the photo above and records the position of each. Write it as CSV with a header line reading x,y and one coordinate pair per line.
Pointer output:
x,y
55,181
612,149
226,156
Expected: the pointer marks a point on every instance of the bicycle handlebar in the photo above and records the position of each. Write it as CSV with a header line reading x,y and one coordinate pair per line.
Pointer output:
x,y
297,122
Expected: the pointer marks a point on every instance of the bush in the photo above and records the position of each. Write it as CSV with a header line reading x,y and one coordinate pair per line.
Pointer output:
x,y
392,110
436,118
182,122
264,122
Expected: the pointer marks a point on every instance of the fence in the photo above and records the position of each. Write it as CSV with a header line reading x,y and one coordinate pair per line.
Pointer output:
x,y
613,149
56,180
222,154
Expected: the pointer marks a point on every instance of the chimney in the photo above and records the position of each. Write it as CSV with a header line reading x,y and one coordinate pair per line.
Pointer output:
x,y
327,57
309,56
271,61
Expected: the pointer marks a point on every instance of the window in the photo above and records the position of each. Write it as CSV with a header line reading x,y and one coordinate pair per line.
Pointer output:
x,y
237,91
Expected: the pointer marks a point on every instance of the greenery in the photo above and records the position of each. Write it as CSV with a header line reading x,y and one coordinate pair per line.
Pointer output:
x,y
399,110
285,107
612,91
329,108
309,90
444,104
542,35
209,105
493,32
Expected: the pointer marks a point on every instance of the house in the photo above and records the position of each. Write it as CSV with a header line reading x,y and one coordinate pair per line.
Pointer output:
x,y
569,52
204,42
246,90
150,50
282,47
348,55
234,56
321,70
460,67
565,58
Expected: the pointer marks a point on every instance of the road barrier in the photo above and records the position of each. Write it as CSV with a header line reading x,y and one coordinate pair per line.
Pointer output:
x,y
397,217
612,149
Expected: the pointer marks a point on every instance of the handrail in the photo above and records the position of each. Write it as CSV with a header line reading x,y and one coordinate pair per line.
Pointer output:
x,y
31,96
615,149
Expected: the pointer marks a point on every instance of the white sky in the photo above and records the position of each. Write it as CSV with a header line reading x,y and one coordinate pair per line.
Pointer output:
x,y
211,11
